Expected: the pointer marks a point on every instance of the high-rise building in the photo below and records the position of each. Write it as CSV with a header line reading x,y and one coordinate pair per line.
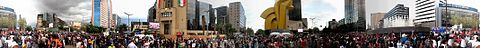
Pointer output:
x,y
236,16
427,14
222,16
102,14
48,20
200,15
375,20
397,17
355,12
152,13
118,19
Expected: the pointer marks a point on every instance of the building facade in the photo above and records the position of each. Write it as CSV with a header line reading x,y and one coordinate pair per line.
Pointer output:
x,y
427,13
222,16
375,20
236,16
102,14
200,16
152,13
397,17
437,13
295,25
355,12
176,16
449,11
8,13
48,20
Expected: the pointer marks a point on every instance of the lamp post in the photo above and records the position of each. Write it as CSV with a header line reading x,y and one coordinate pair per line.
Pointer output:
x,y
128,20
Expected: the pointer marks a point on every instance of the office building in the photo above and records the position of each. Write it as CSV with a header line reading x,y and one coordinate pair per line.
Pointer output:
x,y
236,16
222,16
152,13
426,13
200,15
8,13
102,14
433,13
48,20
375,20
457,11
397,17
355,12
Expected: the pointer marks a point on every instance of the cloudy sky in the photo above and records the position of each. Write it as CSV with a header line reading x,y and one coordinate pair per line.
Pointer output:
x,y
321,11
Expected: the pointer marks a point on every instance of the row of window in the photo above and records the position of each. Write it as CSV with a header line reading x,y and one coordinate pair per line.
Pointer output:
x,y
166,14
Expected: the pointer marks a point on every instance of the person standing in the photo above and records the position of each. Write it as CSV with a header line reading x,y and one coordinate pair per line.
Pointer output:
x,y
132,45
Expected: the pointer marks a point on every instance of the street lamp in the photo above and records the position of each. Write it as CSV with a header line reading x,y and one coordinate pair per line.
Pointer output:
x,y
128,20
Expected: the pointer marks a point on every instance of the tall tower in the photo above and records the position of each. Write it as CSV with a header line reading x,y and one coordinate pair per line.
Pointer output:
x,y
427,13
355,12
102,13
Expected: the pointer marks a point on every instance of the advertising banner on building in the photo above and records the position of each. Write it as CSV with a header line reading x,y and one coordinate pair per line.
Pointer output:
x,y
154,25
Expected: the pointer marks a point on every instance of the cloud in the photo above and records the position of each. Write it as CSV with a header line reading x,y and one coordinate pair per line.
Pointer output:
x,y
322,10
67,10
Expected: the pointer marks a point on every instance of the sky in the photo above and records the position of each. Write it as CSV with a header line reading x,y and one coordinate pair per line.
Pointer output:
x,y
320,11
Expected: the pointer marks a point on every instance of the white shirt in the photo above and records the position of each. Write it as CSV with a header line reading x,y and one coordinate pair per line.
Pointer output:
x,y
475,43
434,43
450,42
193,44
132,45
78,45
463,43
11,44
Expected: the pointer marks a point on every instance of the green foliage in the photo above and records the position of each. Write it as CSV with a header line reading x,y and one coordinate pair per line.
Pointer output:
x,y
29,28
6,22
22,23
261,32
93,29
249,31
468,22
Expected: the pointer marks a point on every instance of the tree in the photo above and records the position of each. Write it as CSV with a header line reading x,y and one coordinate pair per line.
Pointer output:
x,y
261,32
468,22
6,22
93,29
315,30
29,28
249,31
22,23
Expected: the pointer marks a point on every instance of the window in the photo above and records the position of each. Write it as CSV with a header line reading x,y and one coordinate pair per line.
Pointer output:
x,y
166,29
165,14
168,3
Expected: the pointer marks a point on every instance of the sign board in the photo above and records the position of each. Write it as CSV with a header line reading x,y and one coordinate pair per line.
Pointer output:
x,y
154,25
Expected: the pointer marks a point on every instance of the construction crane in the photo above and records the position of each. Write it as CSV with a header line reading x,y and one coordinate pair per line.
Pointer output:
x,y
276,17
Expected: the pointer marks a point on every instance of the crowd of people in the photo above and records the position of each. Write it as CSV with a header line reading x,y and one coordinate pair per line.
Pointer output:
x,y
451,39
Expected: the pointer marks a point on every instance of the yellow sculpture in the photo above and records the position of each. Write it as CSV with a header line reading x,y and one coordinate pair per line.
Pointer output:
x,y
276,17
